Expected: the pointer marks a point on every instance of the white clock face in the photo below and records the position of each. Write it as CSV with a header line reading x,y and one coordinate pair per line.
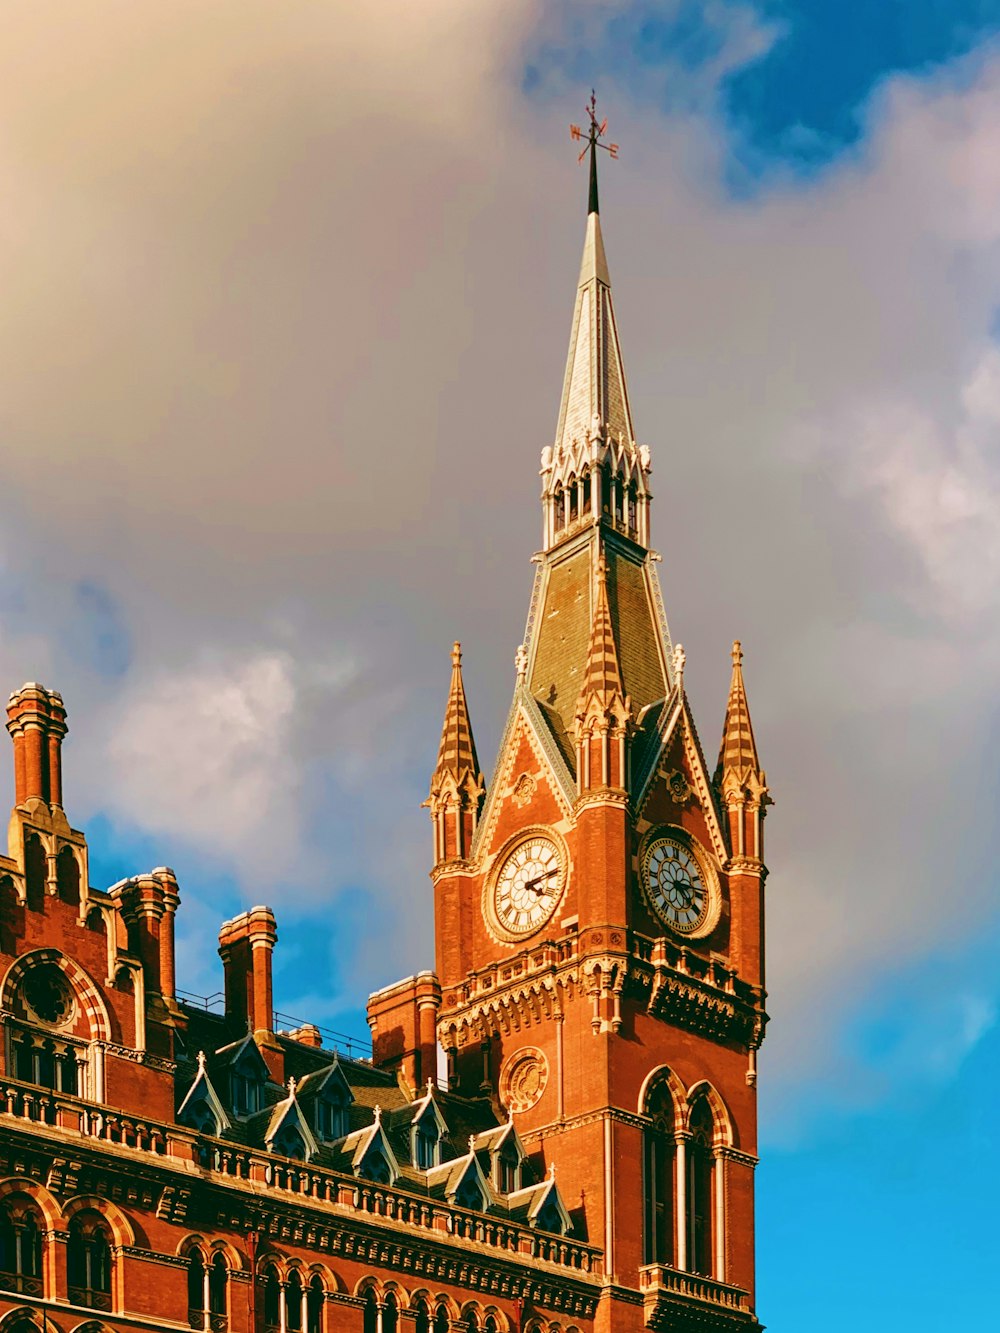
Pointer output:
x,y
675,886
528,886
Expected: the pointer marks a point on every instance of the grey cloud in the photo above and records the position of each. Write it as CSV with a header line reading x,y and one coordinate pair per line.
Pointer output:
x,y
287,295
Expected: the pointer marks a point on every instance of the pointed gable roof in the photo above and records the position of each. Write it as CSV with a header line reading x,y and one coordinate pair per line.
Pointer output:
x,y
738,764
457,765
451,1179
289,1114
359,1146
202,1093
541,1205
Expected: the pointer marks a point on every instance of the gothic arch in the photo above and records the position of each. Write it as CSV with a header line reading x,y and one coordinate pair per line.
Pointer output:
x,y
662,1076
121,1228
22,1316
47,1205
85,989
366,1284
401,1294
725,1136
332,1282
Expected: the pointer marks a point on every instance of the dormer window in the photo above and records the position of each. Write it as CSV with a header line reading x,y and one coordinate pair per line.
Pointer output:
x,y
469,1193
426,1145
289,1142
508,1175
331,1117
375,1166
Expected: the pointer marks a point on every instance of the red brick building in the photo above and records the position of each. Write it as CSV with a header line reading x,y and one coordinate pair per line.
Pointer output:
x,y
588,1162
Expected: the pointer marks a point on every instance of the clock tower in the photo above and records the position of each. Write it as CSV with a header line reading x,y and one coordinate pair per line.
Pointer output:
x,y
599,906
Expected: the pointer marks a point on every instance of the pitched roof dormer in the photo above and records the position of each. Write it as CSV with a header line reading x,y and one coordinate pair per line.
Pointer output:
x,y
288,1132
461,1182
202,1107
542,1206
369,1154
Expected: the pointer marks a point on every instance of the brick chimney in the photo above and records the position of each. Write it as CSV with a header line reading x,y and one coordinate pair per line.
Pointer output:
x,y
246,945
36,720
403,1021
142,900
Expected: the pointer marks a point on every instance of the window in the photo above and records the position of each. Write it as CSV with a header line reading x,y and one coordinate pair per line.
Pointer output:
x,y
331,1116
469,1193
701,1177
422,1320
508,1170
218,1285
658,1177
88,1261
245,1088
20,1248
272,1298
371,1313
68,877
34,872
289,1142
197,1281
46,1058
375,1166
442,1323
315,1299
390,1313
426,1144
293,1302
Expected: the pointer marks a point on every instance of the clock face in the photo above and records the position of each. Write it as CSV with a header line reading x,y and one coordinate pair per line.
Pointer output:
x,y
675,886
528,886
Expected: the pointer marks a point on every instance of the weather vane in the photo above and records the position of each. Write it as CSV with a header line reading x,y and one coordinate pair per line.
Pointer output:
x,y
593,135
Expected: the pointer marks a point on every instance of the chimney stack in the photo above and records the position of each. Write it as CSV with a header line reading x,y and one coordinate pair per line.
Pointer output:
x,y
36,720
246,944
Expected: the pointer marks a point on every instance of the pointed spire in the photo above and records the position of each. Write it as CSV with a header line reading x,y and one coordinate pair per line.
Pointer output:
x,y
738,762
602,675
457,782
457,751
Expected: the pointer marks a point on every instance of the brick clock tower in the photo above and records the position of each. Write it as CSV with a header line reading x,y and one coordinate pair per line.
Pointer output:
x,y
599,906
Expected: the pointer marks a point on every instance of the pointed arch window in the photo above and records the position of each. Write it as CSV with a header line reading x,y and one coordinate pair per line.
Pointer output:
x,y
289,1142
315,1302
390,1313
272,1298
508,1173
88,1260
218,1292
35,866
332,1114
68,876
20,1249
701,1167
294,1301
442,1320
658,1176
422,1316
197,1280
370,1312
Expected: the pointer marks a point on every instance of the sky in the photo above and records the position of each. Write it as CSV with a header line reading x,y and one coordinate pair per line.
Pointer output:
x,y
287,293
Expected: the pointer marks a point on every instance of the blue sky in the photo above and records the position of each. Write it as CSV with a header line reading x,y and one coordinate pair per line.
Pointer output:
x,y
253,498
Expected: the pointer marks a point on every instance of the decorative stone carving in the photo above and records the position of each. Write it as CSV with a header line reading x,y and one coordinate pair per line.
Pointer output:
x,y
523,1079
524,789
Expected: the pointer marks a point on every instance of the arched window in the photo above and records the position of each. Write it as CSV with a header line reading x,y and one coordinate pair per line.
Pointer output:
x,y
293,1302
658,1177
631,509
490,1326
197,1280
272,1298
20,1248
218,1285
390,1313
34,872
426,1143
560,499
289,1142
422,1319
469,1193
442,1320
371,1312
315,1299
46,1057
701,1180
573,500
331,1115
88,1260
472,1322
68,877
246,1092
586,491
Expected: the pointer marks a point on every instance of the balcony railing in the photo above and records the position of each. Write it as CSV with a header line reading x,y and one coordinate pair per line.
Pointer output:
x,y
657,1281
21,1282
311,1184
91,1299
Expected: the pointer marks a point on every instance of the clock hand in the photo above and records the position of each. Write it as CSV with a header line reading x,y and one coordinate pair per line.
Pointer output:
x,y
537,880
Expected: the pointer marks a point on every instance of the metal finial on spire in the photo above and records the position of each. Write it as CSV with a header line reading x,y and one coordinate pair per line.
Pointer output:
x,y
594,134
